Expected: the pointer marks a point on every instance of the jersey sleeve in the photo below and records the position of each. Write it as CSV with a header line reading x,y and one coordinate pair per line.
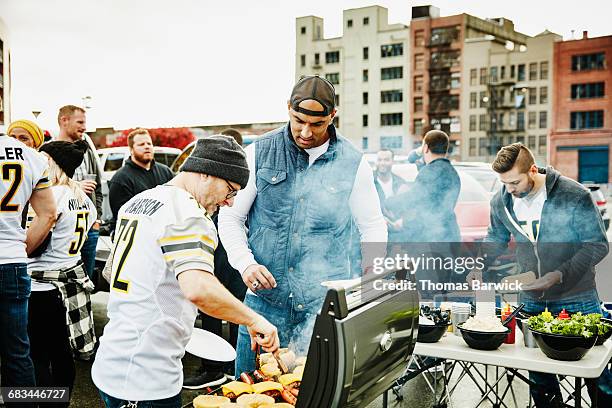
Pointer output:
x,y
189,244
40,170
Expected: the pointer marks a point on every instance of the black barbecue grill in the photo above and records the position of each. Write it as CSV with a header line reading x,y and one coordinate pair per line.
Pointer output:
x,y
361,343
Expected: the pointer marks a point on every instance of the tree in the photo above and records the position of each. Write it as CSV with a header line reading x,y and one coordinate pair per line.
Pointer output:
x,y
169,137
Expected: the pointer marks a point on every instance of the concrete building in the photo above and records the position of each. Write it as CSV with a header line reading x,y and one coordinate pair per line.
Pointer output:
x,y
506,95
581,136
369,67
437,77
5,78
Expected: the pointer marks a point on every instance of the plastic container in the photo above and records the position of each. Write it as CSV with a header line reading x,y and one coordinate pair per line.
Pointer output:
x,y
511,337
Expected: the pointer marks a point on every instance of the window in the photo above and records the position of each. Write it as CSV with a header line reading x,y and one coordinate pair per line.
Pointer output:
x,y
391,50
337,100
303,60
419,61
512,69
544,70
482,122
473,102
336,121
445,59
483,99
444,35
418,83
366,21
391,119
520,139
419,38
317,62
592,90
364,76
364,120
395,95
302,30
531,144
483,76
502,72
349,23
418,127
418,104
542,144
443,103
533,96
493,73
473,76
364,143
366,53
588,61
472,123
543,120
543,94
520,76
391,142
364,98
483,146
391,73
533,71
472,151
332,57
334,78
532,120
586,120
455,80
520,120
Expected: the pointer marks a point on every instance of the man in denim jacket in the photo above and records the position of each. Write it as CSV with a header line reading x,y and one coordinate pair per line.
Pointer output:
x,y
309,186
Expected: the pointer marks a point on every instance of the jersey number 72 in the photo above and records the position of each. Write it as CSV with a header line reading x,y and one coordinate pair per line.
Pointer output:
x,y
125,240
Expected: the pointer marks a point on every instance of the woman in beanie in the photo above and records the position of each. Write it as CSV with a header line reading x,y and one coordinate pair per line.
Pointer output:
x,y
27,132
60,319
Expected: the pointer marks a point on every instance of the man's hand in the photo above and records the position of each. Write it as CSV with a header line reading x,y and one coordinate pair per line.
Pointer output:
x,y
394,225
545,282
264,333
474,275
88,186
258,277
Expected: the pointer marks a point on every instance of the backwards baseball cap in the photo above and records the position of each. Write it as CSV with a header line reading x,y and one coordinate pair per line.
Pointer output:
x,y
316,88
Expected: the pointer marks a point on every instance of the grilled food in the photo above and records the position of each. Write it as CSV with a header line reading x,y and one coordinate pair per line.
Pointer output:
x,y
270,388
234,389
277,405
270,370
254,400
300,361
290,380
209,401
299,370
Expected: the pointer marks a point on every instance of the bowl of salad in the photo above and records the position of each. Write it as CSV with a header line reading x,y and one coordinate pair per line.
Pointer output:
x,y
567,338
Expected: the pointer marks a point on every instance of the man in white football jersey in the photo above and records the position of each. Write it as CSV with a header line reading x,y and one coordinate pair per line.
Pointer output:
x,y
60,316
162,272
23,178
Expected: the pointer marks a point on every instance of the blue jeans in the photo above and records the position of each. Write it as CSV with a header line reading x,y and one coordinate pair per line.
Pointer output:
x,y
294,327
88,252
112,402
16,368
548,390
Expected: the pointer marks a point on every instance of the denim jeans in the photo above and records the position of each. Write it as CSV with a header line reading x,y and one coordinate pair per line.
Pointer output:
x,y
16,368
294,327
549,393
112,402
88,253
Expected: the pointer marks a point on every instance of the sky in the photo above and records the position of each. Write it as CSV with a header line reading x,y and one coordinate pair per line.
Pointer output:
x,y
155,63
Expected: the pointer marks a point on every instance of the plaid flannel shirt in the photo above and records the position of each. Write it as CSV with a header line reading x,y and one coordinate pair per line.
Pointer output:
x,y
74,287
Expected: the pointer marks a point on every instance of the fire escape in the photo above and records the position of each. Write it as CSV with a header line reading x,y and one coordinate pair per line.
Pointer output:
x,y
505,111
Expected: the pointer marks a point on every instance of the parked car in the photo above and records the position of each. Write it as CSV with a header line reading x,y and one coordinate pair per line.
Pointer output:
x,y
246,140
600,201
112,158
483,173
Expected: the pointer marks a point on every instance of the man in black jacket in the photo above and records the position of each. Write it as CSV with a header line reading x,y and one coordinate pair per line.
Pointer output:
x,y
139,173
559,237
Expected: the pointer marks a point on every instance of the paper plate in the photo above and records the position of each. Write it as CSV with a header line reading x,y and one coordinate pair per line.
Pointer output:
x,y
208,345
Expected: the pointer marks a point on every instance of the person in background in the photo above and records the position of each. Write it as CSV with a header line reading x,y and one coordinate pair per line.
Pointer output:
x,y
309,185
213,372
559,236
387,185
163,272
27,132
139,173
72,124
25,178
60,315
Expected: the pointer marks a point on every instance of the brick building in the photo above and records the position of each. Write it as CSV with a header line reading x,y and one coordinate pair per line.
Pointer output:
x,y
581,136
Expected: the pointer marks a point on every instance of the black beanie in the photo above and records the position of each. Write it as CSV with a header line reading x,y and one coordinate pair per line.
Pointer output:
x,y
67,155
219,156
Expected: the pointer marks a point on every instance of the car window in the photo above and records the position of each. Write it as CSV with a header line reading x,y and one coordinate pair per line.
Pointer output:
x,y
114,161
471,190
181,158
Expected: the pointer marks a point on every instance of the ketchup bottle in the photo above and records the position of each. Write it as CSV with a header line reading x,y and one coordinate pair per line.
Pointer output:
x,y
564,315
507,311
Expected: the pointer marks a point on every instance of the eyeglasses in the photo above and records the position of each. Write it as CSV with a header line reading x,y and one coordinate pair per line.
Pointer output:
x,y
232,190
